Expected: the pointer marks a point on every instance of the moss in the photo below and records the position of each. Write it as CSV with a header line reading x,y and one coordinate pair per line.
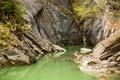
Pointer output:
x,y
9,11
4,31
88,8
115,7
84,9
11,22
6,41
7,6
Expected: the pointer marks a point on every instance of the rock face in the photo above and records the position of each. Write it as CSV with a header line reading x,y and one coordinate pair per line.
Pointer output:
x,y
28,50
96,25
52,23
108,49
52,19
95,30
105,56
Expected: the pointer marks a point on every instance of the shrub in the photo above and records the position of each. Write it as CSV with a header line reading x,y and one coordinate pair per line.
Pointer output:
x,y
9,11
11,21
88,8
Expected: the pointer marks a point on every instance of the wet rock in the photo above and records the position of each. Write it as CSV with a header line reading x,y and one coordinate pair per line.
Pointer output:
x,y
78,57
94,30
85,50
118,59
18,59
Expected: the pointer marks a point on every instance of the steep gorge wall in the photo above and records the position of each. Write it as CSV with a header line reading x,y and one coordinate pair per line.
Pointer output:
x,y
53,23
53,20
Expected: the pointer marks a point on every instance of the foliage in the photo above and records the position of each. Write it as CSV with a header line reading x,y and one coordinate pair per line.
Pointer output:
x,y
6,41
7,6
9,10
114,7
11,21
88,8
84,9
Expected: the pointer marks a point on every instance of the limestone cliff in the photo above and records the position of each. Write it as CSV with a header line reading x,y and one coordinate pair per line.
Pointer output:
x,y
53,20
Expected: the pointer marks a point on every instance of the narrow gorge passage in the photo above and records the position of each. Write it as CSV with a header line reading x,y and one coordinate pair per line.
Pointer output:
x,y
51,67
48,68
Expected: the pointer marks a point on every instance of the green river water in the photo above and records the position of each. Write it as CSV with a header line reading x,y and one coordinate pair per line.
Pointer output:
x,y
49,68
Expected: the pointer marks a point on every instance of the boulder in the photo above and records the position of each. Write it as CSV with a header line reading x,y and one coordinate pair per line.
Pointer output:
x,y
85,50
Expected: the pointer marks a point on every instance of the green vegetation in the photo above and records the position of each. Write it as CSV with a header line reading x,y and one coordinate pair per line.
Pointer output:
x,y
7,7
9,11
84,9
88,8
11,21
114,7
6,41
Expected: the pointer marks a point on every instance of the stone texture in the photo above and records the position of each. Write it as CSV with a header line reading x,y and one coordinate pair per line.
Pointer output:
x,y
53,20
52,23
94,30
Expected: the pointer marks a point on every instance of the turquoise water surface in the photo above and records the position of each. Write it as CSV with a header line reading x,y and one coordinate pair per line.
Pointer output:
x,y
50,67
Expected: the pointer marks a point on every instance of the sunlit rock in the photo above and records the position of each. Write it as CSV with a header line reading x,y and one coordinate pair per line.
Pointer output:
x,y
85,50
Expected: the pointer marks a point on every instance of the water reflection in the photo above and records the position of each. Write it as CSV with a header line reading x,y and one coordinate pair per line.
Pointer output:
x,y
45,69
49,68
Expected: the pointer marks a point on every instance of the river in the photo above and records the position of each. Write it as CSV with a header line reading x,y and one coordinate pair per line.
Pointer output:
x,y
50,67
